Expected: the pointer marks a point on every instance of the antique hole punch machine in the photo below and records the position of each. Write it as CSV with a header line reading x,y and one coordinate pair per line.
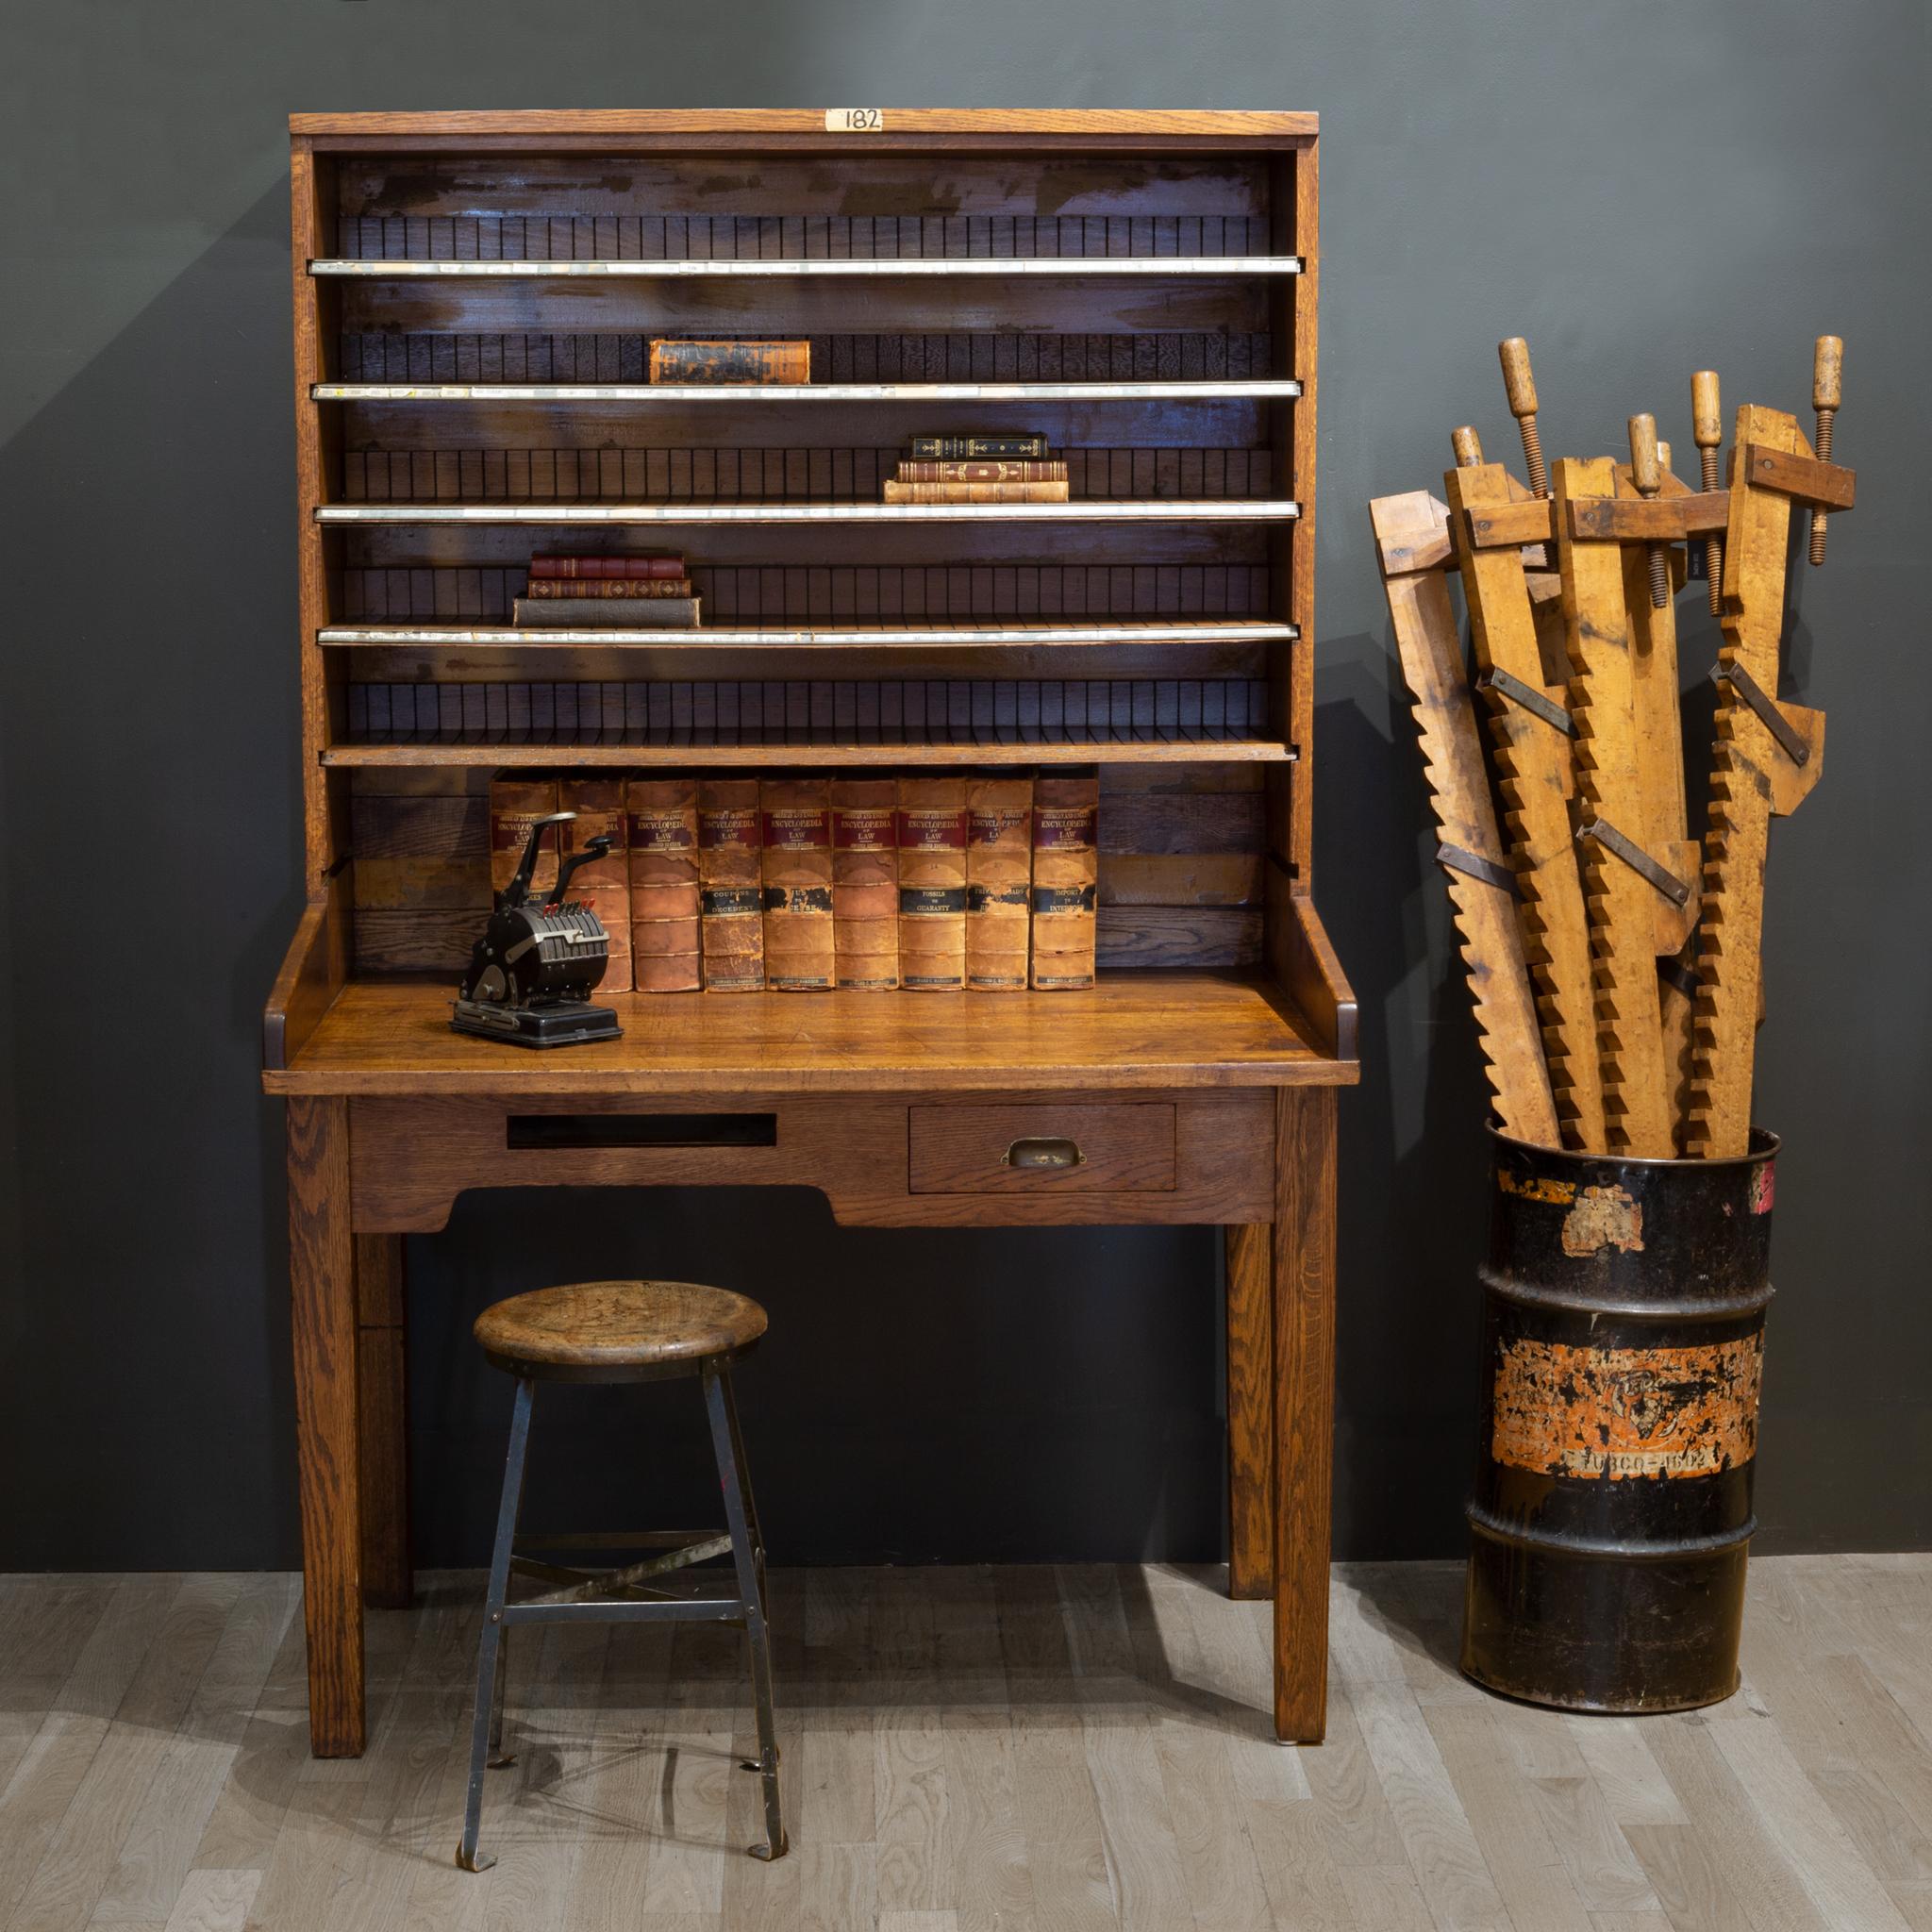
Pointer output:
x,y
532,973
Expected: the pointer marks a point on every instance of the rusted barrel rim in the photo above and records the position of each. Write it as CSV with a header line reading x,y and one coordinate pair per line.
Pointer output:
x,y
1764,1143
1689,1310
1484,1523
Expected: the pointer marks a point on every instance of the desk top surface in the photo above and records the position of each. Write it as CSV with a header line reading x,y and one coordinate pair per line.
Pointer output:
x,y
1137,1030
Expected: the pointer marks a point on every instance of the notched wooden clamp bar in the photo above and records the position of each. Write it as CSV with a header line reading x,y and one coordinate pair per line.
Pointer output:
x,y
1651,519
1806,479
1640,862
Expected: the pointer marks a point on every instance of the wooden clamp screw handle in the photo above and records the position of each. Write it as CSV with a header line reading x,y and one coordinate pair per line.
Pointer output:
x,y
1707,433
1827,385
1467,447
1647,473
1518,385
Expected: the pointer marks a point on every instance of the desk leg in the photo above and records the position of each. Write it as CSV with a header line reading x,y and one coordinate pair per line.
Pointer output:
x,y
389,1579
1303,1299
1250,1412
322,1284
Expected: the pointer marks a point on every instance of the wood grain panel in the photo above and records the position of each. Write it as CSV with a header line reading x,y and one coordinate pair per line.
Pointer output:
x,y
1304,1307
1250,1412
329,1450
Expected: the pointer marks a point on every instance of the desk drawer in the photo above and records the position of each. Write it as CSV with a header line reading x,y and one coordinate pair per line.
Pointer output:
x,y
1128,1149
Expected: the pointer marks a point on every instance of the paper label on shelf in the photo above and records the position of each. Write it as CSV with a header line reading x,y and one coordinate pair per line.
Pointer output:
x,y
854,119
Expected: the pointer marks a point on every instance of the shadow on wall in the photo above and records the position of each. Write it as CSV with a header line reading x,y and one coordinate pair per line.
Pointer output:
x,y
148,759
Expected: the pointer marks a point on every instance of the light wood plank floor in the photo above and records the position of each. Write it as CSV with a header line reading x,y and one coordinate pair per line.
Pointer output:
x,y
965,1750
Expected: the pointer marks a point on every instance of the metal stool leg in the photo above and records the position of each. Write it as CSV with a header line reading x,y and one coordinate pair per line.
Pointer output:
x,y
751,1594
491,1652
751,1507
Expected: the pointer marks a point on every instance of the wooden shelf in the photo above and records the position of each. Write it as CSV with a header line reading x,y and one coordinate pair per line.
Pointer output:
x,y
1164,1030
1221,509
375,268
1199,389
818,753
989,635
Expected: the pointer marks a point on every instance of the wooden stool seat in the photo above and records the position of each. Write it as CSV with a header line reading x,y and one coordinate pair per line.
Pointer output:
x,y
617,1331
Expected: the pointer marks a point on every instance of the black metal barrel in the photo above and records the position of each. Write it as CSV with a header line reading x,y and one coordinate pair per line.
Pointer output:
x,y
1624,1335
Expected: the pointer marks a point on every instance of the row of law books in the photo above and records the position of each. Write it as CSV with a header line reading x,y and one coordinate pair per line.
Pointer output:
x,y
943,881
1007,467
650,592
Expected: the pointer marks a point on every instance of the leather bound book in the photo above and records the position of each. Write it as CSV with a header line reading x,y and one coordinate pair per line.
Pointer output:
x,y
999,877
621,568
797,827
731,898
932,883
611,613
599,589
865,883
730,362
1066,873
973,492
995,445
1017,472
517,800
661,833
604,885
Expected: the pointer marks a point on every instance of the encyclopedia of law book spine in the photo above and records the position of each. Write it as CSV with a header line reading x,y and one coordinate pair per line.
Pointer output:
x,y
865,883
1066,875
731,890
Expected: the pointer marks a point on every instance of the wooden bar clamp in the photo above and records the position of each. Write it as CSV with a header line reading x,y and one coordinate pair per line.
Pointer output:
x,y
1484,895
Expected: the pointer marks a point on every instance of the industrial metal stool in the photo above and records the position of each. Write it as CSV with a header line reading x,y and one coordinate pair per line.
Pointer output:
x,y
622,1331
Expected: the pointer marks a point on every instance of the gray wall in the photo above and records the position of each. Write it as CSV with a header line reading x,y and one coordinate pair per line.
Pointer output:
x,y
1641,189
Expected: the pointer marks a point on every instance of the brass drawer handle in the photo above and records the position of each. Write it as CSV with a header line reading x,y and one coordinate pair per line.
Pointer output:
x,y
1045,1154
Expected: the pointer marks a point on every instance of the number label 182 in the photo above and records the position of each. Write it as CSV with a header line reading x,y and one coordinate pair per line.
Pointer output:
x,y
854,119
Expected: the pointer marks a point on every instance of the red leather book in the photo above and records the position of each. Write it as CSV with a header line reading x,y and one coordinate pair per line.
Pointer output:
x,y
606,567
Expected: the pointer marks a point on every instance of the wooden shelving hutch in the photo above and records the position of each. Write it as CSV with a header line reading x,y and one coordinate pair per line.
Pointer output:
x,y
475,296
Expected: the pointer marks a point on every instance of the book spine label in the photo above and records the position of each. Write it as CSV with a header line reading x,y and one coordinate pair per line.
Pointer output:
x,y
731,884
631,567
999,872
517,801
973,492
730,362
976,448
599,589
1066,870
1018,472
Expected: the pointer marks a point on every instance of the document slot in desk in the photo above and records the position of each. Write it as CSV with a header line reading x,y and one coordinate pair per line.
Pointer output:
x,y
524,1131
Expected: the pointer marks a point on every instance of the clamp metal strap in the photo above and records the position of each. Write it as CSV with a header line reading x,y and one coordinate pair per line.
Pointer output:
x,y
1747,688
1640,862
1533,701
1477,867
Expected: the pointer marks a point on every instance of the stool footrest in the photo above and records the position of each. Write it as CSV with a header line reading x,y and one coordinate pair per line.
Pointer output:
x,y
583,1584
664,1609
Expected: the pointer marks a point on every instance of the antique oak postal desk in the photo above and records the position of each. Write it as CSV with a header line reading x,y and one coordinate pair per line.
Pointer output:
x,y
475,296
